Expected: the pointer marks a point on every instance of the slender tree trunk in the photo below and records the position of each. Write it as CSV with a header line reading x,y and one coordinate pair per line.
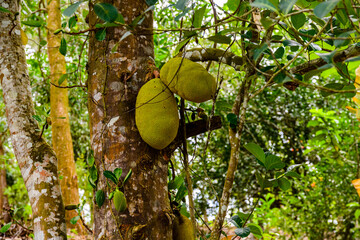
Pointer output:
x,y
114,81
61,137
37,161
4,215
239,108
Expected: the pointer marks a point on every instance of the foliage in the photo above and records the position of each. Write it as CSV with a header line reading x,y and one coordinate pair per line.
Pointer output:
x,y
308,128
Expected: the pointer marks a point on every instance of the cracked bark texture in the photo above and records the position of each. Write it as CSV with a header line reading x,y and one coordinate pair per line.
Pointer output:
x,y
61,136
114,81
36,159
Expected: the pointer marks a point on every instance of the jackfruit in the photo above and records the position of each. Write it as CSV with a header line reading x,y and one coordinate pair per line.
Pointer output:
x,y
156,114
188,79
182,228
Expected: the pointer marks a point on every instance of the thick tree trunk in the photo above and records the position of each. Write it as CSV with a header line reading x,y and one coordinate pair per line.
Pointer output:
x,y
61,137
4,215
114,81
37,161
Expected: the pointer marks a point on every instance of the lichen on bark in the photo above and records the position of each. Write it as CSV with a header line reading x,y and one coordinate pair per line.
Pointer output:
x,y
36,159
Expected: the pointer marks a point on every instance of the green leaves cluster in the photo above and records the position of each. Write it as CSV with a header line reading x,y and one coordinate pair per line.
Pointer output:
x,y
239,221
271,162
118,197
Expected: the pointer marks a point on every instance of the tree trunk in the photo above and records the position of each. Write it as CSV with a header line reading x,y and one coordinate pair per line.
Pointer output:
x,y
4,215
37,161
61,137
239,109
114,81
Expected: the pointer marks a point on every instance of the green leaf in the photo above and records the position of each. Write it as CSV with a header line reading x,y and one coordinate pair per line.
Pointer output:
x,y
72,21
176,183
273,162
237,221
298,20
33,23
256,150
325,8
266,22
357,213
151,2
37,118
327,57
119,201
74,219
290,43
292,174
233,4
106,12
181,44
354,59
335,86
91,182
118,172
120,19
63,46
181,193
127,176
5,227
284,184
242,232
93,174
110,175
259,51
100,198
181,4
100,34
43,42
279,53
233,120
2,9
255,229
343,42
198,16
264,4
285,6
126,34
349,87
218,38
70,10
62,79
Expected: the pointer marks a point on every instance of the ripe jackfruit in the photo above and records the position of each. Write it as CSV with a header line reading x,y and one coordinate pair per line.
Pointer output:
x,y
156,114
191,82
182,229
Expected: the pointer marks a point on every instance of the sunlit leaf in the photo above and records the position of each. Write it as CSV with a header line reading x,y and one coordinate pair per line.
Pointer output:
x,y
70,10
100,198
263,4
325,8
106,12
256,150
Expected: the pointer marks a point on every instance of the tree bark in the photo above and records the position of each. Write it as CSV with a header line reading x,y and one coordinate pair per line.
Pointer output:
x,y
61,136
37,161
4,215
114,81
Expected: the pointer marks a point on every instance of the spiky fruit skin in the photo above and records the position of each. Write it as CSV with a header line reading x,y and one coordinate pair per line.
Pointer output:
x,y
191,82
182,228
156,114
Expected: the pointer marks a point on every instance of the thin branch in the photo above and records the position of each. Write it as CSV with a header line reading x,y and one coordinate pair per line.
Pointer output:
x,y
73,86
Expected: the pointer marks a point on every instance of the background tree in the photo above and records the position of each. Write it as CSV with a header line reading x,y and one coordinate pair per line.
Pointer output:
x,y
35,157
59,115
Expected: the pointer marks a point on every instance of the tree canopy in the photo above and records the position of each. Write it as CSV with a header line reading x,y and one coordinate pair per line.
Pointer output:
x,y
273,153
